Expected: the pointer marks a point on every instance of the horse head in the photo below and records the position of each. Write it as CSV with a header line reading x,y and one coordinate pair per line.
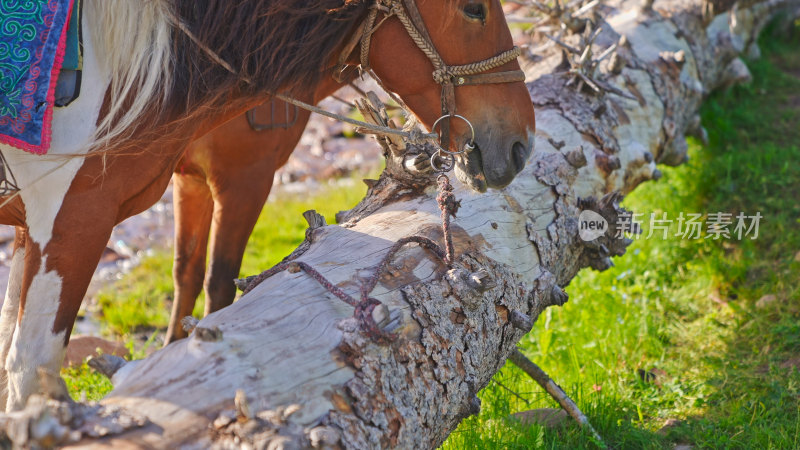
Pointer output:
x,y
456,57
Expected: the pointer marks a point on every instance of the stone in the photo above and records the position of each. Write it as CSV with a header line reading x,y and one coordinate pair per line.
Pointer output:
x,y
669,424
82,347
546,417
765,301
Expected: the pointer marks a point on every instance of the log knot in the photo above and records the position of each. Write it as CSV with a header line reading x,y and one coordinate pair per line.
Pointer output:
x,y
189,323
521,321
469,287
213,334
241,427
576,158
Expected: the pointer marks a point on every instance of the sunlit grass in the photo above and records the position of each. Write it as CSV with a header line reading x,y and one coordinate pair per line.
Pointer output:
x,y
84,383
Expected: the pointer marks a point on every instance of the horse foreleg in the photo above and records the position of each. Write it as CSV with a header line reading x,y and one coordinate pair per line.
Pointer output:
x,y
235,216
10,310
193,209
55,277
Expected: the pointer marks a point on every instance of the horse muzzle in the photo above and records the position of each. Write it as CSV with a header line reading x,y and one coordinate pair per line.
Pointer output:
x,y
494,164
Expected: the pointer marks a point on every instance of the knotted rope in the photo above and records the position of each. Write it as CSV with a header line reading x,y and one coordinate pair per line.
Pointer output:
x,y
449,206
365,305
449,72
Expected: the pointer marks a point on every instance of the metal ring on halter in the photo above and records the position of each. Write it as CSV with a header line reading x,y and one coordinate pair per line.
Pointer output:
x,y
468,146
447,166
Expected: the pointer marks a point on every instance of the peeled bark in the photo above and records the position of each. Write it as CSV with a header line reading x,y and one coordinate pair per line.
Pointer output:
x,y
305,372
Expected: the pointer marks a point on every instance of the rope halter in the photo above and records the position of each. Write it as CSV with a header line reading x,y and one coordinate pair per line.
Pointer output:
x,y
448,77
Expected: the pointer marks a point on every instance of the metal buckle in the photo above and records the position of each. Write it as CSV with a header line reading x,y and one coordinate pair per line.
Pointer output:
x,y
449,161
469,146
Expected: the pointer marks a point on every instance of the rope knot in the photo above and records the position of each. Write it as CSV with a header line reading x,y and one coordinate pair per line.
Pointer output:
x,y
449,206
446,199
363,313
442,75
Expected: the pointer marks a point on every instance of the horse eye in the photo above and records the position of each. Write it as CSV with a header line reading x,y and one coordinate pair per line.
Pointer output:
x,y
475,11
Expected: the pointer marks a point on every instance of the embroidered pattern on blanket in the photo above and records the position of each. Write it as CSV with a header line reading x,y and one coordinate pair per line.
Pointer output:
x,y
32,40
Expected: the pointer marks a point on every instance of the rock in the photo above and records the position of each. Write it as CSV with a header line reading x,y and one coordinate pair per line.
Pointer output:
x,y
107,365
546,417
792,363
110,255
766,300
669,424
6,234
82,347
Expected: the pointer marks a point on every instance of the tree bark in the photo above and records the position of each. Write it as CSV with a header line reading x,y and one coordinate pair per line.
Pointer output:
x,y
306,373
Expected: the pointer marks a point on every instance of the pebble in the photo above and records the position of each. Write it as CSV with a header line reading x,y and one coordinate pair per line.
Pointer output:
x,y
82,347
766,300
546,417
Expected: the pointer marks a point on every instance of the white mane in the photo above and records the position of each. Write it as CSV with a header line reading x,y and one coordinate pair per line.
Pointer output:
x,y
132,39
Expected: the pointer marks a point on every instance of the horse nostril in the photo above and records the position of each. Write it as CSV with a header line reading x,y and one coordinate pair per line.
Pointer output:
x,y
519,154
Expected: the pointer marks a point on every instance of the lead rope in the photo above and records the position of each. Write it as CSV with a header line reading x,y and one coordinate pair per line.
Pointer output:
x,y
366,304
415,137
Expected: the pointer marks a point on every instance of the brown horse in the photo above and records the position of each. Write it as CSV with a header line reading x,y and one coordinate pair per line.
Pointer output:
x,y
161,73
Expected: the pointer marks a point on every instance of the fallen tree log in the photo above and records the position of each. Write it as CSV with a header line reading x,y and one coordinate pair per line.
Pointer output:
x,y
289,366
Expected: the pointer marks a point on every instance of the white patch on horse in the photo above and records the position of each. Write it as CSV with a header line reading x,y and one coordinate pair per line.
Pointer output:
x,y
8,316
34,345
44,180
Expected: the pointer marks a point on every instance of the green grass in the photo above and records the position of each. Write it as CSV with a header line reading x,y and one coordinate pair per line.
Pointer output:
x,y
140,301
85,384
684,310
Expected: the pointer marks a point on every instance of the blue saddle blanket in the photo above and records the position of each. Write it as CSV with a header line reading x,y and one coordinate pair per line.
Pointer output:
x,y
33,41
